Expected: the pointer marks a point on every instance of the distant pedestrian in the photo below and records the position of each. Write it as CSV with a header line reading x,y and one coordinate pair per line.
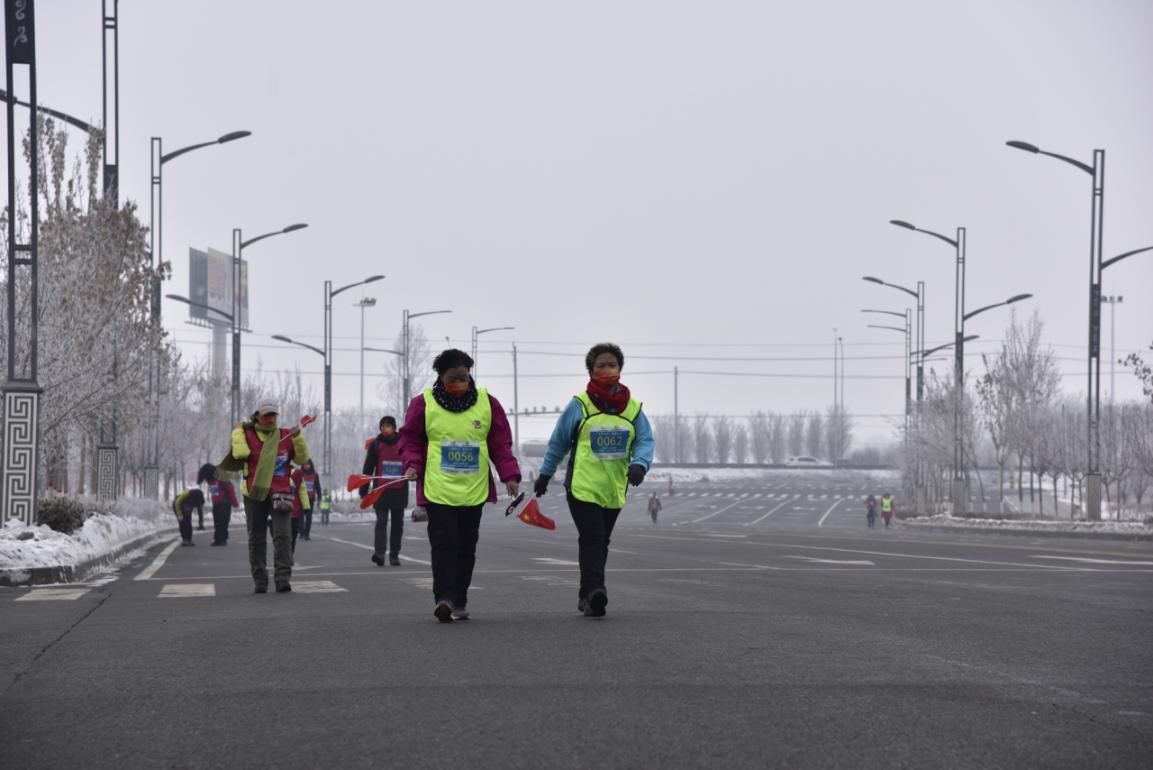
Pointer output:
x,y
654,507
452,432
886,509
871,510
382,458
185,503
267,453
325,507
311,481
222,493
299,500
611,445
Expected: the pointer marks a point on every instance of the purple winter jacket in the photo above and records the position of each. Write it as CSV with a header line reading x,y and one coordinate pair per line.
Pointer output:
x,y
414,446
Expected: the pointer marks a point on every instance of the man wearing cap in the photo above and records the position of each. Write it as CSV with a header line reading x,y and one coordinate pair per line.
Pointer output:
x,y
267,453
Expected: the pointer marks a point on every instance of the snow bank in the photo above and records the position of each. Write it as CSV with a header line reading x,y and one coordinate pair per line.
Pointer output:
x,y
1112,527
692,475
24,547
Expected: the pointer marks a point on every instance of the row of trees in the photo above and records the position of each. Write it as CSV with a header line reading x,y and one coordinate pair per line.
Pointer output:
x,y
763,437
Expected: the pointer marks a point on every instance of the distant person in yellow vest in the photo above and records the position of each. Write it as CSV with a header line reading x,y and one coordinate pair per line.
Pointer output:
x,y
451,432
611,443
268,453
886,508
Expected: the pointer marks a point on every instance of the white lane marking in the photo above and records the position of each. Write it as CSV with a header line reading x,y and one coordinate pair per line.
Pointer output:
x,y
184,590
767,515
316,587
158,562
814,560
1097,561
740,564
556,562
53,594
370,548
709,516
550,580
719,534
821,523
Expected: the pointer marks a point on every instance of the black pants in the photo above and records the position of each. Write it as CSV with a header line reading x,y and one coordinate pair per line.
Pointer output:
x,y
185,523
200,514
306,524
595,528
295,532
381,542
452,535
221,516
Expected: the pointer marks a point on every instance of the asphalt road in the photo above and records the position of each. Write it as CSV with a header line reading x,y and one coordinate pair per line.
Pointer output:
x,y
757,624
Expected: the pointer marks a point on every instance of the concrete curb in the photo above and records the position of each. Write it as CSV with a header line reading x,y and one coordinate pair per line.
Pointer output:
x,y
75,573
1087,535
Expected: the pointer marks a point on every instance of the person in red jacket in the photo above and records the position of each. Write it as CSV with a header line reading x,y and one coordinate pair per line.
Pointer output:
x,y
382,458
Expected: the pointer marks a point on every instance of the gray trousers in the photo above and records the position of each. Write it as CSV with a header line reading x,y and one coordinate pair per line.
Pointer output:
x,y
260,515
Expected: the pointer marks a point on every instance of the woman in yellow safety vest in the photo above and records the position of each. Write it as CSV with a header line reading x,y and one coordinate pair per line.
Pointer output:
x,y
451,432
611,443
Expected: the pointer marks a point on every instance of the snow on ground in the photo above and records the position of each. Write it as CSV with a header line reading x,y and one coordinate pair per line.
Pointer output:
x,y
24,547
1113,527
692,475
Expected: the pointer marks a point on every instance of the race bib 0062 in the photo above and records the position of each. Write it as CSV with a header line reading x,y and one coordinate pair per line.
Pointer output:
x,y
609,443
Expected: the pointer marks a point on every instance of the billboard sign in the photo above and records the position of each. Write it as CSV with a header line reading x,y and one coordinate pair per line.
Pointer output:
x,y
210,286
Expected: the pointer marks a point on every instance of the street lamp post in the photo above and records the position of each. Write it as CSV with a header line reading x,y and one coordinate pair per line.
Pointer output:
x,y
329,293
405,368
156,253
365,302
1096,268
907,316
476,333
1112,301
239,290
918,465
363,350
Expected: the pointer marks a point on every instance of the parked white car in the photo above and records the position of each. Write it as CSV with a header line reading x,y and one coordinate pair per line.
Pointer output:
x,y
804,461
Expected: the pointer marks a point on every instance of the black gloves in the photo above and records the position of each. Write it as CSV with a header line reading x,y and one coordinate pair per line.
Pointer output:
x,y
636,474
540,486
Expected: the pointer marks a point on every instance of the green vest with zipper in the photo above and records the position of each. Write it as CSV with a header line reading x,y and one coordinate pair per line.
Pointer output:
x,y
600,457
456,468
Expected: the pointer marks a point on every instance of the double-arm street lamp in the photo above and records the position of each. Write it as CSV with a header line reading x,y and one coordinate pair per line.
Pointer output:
x,y
476,333
239,243
1096,267
156,252
406,377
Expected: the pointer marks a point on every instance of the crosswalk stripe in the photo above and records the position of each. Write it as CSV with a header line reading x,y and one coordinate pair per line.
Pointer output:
x,y
53,594
316,587
184,590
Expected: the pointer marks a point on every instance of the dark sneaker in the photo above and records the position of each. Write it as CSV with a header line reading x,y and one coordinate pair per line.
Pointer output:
x,y
583,606
215,543
286,587
378,560
460,613
394,561
597,601
261,588
443,612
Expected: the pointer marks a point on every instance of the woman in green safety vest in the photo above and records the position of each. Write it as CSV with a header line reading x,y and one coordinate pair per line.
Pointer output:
x,y
611,443
451,432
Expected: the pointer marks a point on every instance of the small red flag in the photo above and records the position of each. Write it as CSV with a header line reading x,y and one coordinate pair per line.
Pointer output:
x,y
531,515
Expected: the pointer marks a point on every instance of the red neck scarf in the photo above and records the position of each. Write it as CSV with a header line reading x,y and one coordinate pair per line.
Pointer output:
x,y
612,399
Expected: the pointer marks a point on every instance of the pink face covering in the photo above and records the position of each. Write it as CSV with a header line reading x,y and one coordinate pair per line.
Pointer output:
x,y
606,378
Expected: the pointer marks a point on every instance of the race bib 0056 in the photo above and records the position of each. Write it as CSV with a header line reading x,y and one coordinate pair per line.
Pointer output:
x,y
460,458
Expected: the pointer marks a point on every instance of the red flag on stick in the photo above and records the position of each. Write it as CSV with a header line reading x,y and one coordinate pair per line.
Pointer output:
x,y
531,515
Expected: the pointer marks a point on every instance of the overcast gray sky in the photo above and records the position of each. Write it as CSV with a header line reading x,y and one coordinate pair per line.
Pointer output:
x,y
688,179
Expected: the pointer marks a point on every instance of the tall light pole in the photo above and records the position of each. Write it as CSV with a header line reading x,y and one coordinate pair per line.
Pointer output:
x,y
21,415
907,330
110,47
156,253
239,292
365,302
918,464
1112,301
329,293
1096,267
379,350
476,333
406,373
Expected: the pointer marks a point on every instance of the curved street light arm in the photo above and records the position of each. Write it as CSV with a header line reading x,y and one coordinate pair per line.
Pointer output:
x,y
1120,257
886,312
494,329
289,229
926,353
370,279
70,120
1016,145
190,303
282,338
427,312
910,292
894,328
914,228
221,140
1010,301
384,350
